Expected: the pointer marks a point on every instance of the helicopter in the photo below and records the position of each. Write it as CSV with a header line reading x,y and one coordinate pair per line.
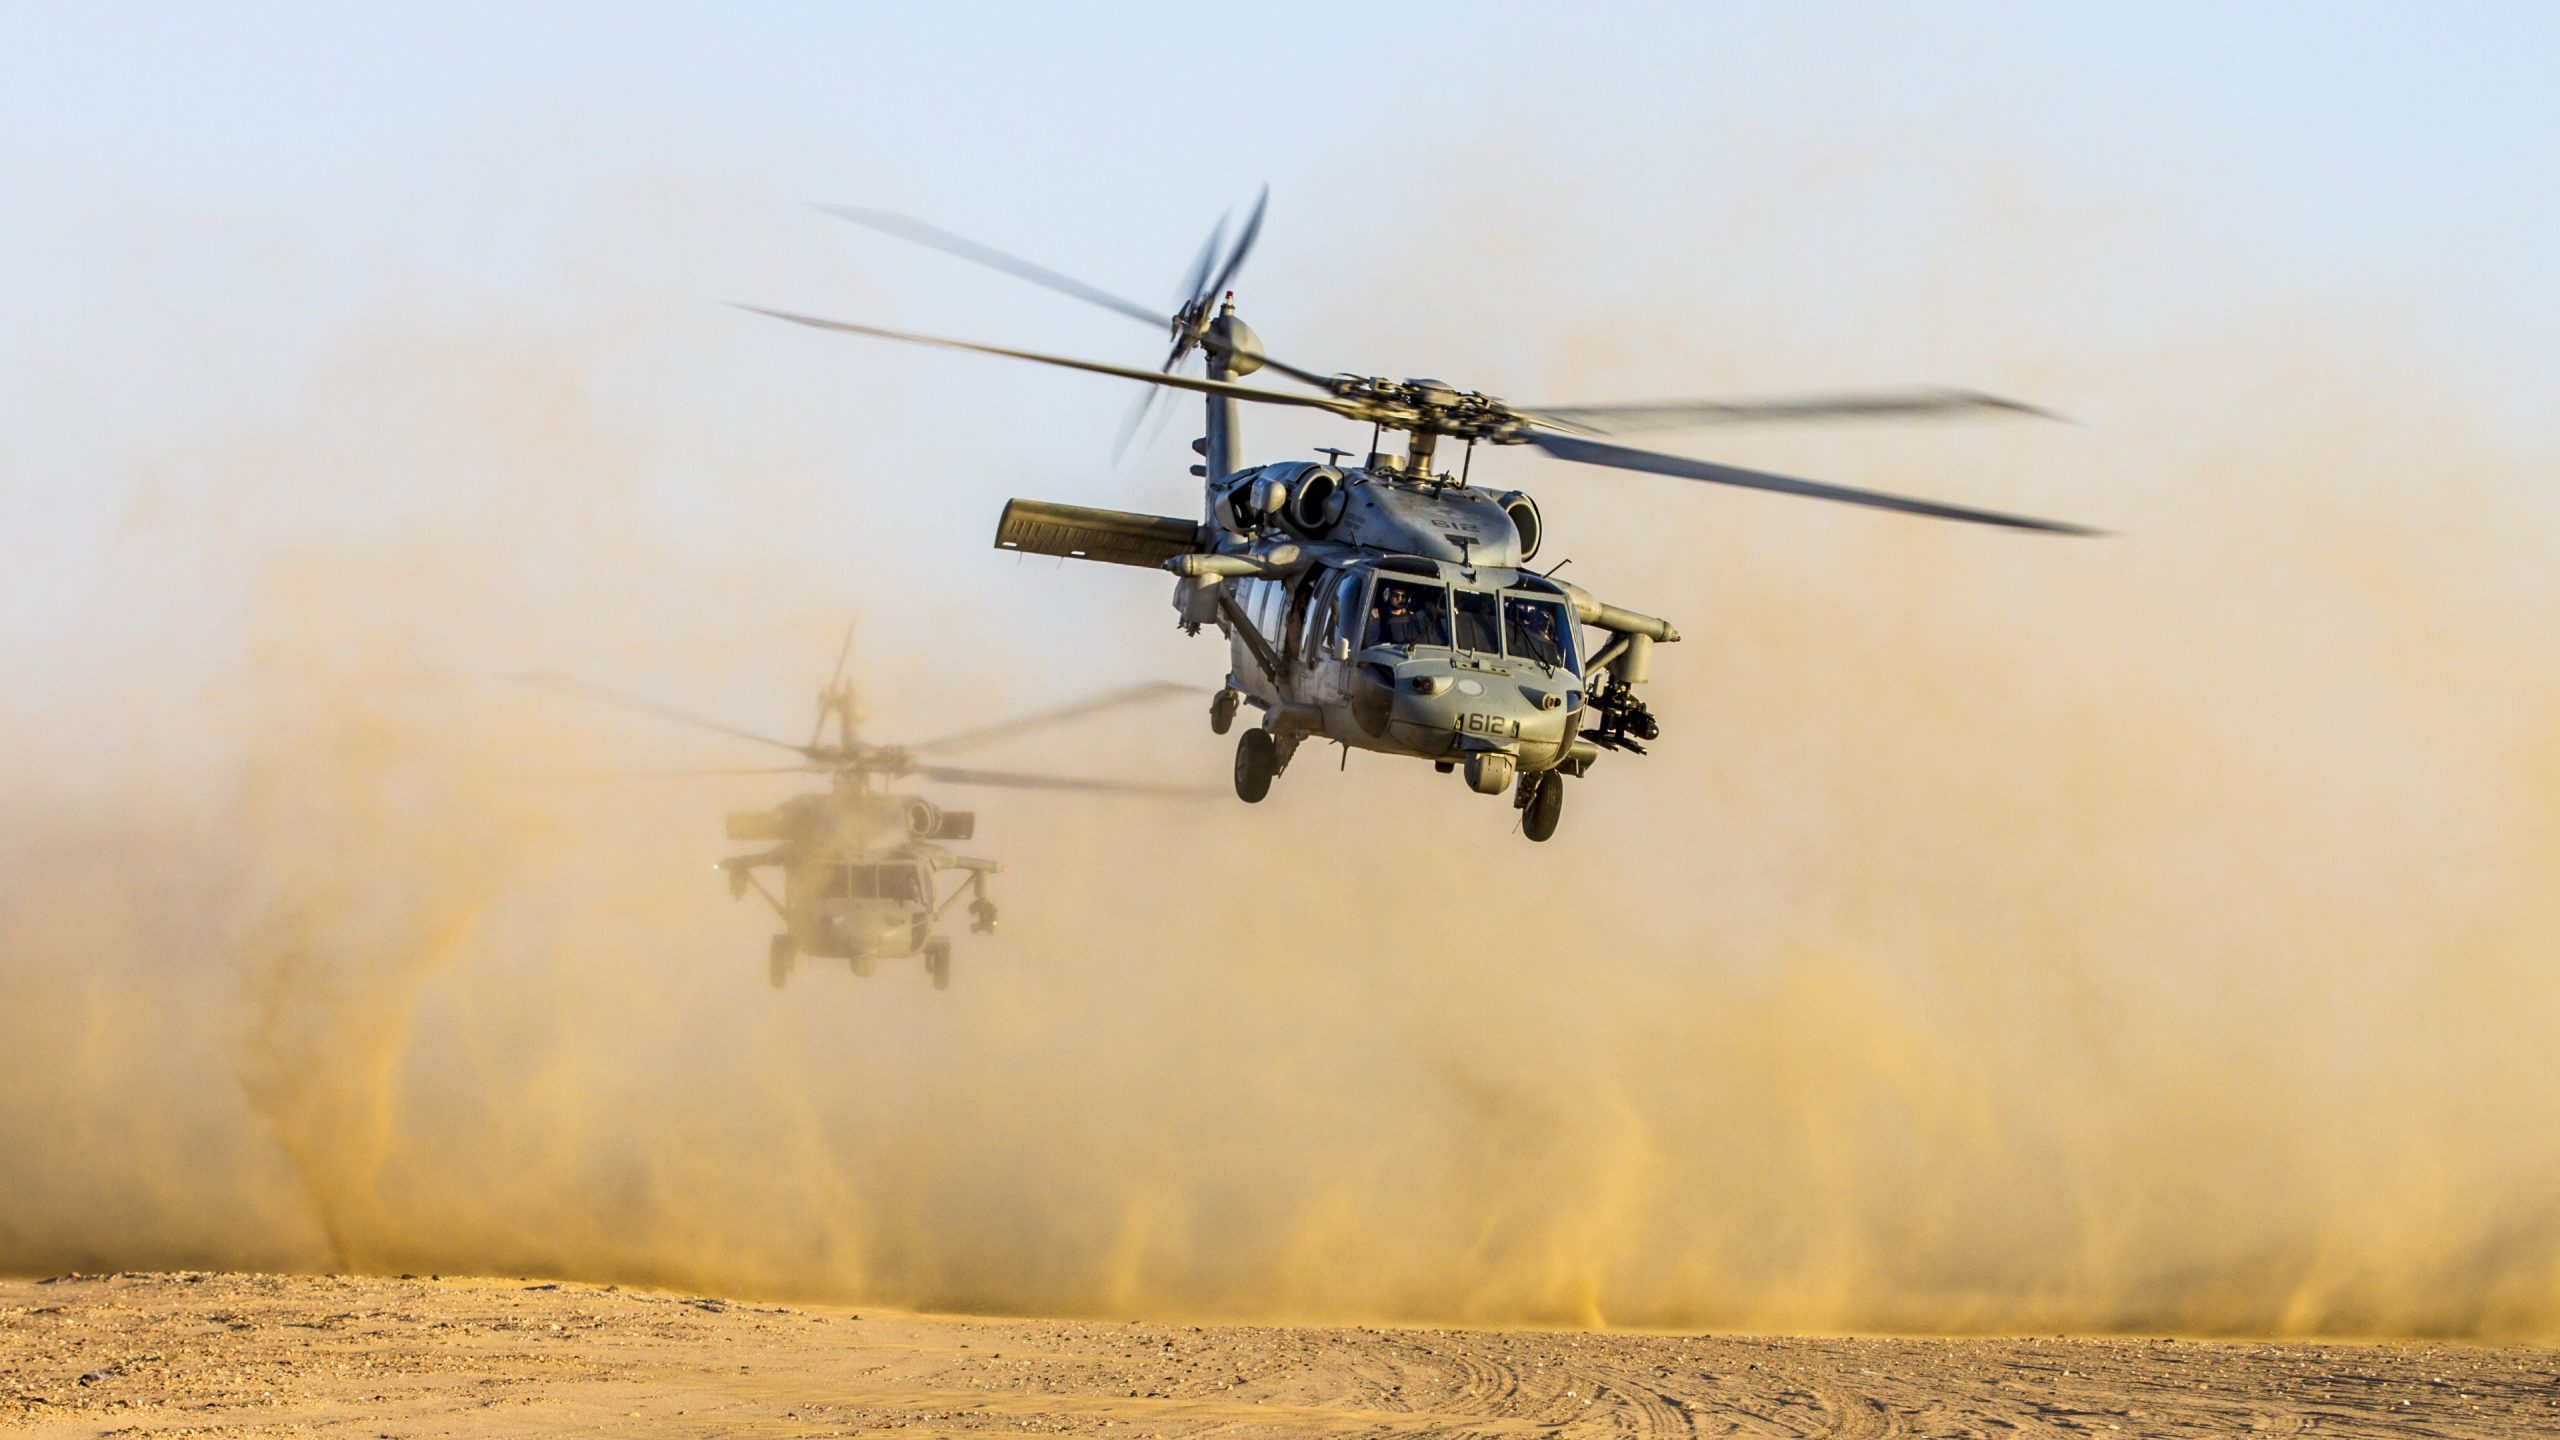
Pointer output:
x,y
867,874
1389,606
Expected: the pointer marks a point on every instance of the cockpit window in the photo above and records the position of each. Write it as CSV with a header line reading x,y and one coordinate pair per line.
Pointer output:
x,y
1347,620
1537,630
1408,612
873,882
1478,629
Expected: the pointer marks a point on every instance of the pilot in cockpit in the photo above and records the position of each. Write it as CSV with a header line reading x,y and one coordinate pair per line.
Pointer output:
x,y
1533,632
1404,613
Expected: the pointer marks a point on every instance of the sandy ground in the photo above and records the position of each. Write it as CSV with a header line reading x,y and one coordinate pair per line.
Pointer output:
x,y
197,1354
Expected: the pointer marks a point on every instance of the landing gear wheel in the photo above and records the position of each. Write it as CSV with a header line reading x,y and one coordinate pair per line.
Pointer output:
x,y
864,964
779,958
1222,710
1546,805
1257,760
937,963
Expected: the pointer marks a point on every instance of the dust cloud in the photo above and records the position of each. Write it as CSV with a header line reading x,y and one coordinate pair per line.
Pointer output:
x,y
2153,934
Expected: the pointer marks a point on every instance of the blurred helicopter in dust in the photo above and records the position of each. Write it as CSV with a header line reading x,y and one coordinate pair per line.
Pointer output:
x,y
866,871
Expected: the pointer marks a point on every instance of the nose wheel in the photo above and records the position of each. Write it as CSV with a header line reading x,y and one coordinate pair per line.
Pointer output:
x,y
1257,760
1541,804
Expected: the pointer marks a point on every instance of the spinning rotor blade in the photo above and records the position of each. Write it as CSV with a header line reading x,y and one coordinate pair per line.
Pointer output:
x,y
844,652
1244,246
1125,372
651,707
736,770
1675,414
935,238
1198,291
1592,452
1092,705
1199,281
835,677
1133,422
1016,780
1185,306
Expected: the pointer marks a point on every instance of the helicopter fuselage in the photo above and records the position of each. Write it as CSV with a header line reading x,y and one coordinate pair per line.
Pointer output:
x,y
846,896
1388,612
1406,656
879,905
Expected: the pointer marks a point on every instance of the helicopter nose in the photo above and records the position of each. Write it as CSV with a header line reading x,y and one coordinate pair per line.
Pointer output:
x,y
1432,698
1479,709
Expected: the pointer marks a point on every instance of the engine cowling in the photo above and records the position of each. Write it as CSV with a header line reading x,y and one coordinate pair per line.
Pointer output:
x,y
1316,501
1305,498
927,821
1526,523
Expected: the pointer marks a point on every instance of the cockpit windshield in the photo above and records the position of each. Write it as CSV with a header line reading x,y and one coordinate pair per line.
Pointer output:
x,y
1408,612
1479,629
1537,630
874,882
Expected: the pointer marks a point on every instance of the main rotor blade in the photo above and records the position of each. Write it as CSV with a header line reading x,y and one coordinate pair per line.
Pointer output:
x,y
1675,414
1125,372
651,707
1016,780
729,770
936,238
971,739
1592,452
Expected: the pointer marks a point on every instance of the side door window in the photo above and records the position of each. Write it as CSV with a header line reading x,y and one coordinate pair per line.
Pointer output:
x,y
1319,620
1351,606
1302,598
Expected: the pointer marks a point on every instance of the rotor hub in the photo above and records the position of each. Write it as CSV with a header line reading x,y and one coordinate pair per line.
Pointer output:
x,y
1430,406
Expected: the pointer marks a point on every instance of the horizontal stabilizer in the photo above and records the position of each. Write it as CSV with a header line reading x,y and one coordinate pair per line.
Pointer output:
x,y
1116,537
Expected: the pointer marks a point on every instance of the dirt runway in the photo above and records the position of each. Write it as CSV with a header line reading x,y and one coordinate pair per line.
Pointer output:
x,y
222,1355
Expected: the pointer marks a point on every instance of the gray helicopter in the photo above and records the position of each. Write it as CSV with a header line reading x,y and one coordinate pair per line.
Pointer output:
x,y
1389,606
864,870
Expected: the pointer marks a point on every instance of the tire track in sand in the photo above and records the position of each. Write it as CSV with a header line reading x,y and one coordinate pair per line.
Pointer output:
x,y
1852,1415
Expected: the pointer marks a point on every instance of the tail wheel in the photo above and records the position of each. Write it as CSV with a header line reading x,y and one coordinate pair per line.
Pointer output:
x,y
1257,760
779,958
1546,806
937,963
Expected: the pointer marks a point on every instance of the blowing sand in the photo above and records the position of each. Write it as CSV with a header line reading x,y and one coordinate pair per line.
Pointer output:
x,y
216,1354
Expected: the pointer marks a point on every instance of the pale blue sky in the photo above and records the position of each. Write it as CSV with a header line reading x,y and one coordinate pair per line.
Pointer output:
x,y
206,203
